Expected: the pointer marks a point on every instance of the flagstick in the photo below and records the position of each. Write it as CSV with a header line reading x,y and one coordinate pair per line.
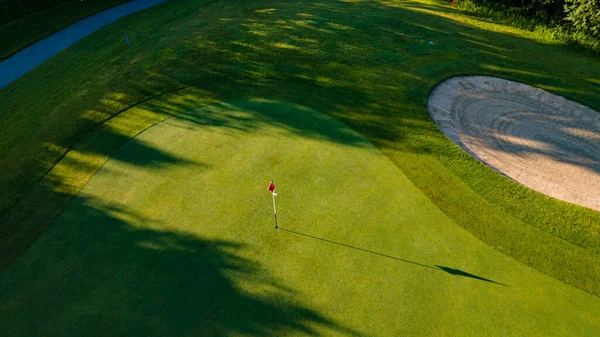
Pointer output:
x,y
274,210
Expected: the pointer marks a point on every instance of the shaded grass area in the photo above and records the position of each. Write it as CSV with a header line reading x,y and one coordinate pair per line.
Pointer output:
x,y
365,63
24,31
174,236
111,278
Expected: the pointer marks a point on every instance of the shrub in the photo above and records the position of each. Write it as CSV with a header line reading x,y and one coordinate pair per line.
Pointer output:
x,y
584,16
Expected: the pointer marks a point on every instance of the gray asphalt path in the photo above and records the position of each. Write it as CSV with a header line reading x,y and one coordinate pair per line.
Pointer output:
x,y
25,60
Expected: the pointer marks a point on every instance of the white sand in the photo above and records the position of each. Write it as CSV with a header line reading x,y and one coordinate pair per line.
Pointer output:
x,y
541,140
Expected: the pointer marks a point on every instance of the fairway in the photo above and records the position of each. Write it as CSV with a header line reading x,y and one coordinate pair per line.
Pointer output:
x,y
175,236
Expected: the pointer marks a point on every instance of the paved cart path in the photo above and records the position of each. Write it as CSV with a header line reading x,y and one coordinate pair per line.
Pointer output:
x,y
27,59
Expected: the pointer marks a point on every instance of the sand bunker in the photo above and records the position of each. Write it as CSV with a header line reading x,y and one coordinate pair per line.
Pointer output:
x,y
539,139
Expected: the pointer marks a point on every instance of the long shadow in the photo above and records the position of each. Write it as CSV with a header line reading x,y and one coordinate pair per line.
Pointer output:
x,y
458,272
289,117
357,248
448,270
106,270
31,215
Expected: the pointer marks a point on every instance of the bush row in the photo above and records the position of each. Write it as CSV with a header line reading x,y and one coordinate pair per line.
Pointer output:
x,y
575,20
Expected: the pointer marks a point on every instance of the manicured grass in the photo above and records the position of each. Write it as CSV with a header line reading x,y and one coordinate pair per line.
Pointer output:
x,y
174,236
20,33
367,64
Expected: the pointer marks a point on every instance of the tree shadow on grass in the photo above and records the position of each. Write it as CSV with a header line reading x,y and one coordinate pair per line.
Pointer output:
x,y
251,115
104,270
320,45
31,215
366,63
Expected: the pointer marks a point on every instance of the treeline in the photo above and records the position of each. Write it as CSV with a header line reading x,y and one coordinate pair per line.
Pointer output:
x,y
11,10
574,20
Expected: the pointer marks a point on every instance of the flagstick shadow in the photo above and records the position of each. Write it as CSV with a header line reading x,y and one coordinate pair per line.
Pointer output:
x,y
465,274
451,271
357,248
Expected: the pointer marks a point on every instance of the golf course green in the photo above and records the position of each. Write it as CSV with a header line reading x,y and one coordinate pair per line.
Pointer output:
x,y
174,235
133,180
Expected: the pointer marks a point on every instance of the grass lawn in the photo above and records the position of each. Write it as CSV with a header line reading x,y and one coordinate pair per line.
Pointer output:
x,y
20,33
366,64
174,235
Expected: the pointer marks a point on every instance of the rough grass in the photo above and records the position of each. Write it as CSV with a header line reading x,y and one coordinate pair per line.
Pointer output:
x,y
366,63
24,31
174,236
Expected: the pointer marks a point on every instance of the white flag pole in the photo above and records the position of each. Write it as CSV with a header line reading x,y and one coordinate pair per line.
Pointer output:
x,y
274,209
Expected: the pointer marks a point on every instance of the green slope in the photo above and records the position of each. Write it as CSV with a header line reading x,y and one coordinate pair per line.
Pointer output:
x,y
174,235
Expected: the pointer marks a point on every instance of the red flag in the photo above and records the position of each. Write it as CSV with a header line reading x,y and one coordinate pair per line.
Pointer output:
x,y
271,187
